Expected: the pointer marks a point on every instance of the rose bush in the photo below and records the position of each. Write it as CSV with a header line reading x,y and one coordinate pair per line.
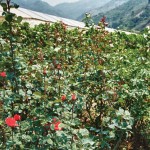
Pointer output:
x,y
72,89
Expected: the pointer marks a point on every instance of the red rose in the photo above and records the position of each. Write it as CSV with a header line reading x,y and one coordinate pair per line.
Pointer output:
x,y
54,120
55,123
44,71
103,20
17,117
11,122
56,126
3,74
63,97
73,97
59,66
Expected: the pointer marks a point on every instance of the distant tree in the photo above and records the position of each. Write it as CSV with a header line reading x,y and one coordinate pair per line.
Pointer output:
x,y
132,14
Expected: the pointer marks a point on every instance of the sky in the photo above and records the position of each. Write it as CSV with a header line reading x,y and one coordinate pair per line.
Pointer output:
x,y
55,2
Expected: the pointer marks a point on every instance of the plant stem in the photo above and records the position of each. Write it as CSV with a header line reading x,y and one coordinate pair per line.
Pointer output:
x,y
118,142
72,110
12,134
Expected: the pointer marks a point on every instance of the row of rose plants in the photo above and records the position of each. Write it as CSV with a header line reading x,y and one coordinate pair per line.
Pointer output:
x,y
64,89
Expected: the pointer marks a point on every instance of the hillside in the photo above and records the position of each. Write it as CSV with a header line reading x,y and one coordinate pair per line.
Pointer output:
x,y
74,10
108,6
123,14
40,6
133,15
104,8
56,2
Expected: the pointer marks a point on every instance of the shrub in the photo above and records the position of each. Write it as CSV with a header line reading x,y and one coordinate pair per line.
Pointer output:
x,y
72,89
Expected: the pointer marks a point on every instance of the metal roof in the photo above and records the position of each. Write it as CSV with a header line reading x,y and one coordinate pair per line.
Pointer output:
x,y
38,17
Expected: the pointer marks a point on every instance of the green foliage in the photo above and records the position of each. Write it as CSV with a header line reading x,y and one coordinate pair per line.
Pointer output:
x,y
88,20
104,76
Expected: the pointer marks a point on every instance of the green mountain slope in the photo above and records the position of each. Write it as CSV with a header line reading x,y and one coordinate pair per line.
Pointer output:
x,y
108,6
103,9
38,5
133,15
74,10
